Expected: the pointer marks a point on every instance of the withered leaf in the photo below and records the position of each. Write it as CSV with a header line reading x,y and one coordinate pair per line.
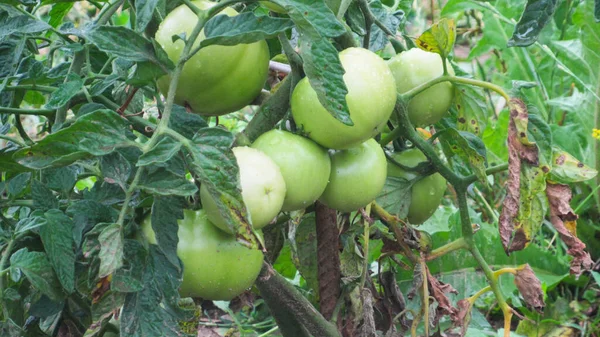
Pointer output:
x,y
438,290
530,288
462,317
564,221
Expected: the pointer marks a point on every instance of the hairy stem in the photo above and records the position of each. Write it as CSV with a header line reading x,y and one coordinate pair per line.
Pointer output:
x,y
328,260
457,244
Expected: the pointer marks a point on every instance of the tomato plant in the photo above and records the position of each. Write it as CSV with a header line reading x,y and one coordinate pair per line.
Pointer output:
x,y
158,158
226,268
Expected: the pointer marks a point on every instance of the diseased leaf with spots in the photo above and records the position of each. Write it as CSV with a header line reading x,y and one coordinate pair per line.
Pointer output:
x,y
111,250
472,109
536,15
439,38
568,169
469,148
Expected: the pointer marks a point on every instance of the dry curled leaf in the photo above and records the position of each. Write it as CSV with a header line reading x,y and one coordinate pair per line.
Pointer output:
x,y
462,316
530,288
438,290
564,221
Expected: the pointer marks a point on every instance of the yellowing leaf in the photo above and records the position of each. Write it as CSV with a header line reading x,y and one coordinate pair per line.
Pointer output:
x,y
439,38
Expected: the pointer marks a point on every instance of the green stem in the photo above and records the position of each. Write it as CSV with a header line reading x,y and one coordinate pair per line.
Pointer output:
x,y
364,8
36,87
3,264
475,296
21,130
20,111
12,139
597,142
491,213
108,12
457,244
492,170
585,201
455,79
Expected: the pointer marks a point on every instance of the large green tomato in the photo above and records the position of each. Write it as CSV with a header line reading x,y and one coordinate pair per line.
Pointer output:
x,y
263,189
218,79
357,176
215,265
415,67
304,164
371,98
426,193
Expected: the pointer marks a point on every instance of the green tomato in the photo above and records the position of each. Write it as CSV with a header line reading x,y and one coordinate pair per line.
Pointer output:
x,y
304,164
218,79
263,189
357,177
415,67
426,194
371,98
215,265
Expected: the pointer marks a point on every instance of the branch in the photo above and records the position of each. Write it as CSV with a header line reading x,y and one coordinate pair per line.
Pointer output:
x,y
328,258
282,296
18,111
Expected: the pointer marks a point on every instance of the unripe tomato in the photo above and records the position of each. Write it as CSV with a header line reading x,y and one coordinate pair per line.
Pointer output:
x,y
426,193
263,189
304,164
215,265
371,98
415,67
218,79
357,177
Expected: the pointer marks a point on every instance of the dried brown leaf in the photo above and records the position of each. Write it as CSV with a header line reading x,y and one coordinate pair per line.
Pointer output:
x,y
564,221
462,316
530,288
438,290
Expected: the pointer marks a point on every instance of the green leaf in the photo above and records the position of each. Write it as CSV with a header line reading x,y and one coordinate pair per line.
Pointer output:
x,y
60,179
471,108
439,38
18,184
97,133
116,169
127,44
395,197
164,150
536,15
533,205
57,237
568,169
129,278
185,123
325,74
163,182
165,213
38,271
243,28
154,310
379,39
597,10
42,196
539,132
313,17
111,250
58,12
65,92
469,148
20,24
213,162
303,244
28,224
86,214
144,10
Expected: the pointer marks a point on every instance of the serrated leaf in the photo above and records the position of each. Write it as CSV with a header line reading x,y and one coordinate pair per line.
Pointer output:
x,y
185,123
536,15
144,10
86,214
18,184
243,28
469,148
313,17
28,224
439,38
111,250
97,133
65,92
116,169
163,182
58,12
127,44
20,24
567,169
154,310
164,150
325,74
129,278
392,21
60,179
57,237
42,196
395,197
36,268
165,213
471,108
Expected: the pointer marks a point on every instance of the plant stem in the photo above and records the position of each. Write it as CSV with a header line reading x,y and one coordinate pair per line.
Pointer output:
x,y
491,213
364,8
457,244
478,294
597,142
19,111
3,264
36,87
455,79
492,170
585,201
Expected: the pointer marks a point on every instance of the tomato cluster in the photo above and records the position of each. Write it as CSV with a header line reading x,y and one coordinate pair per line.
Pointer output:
x,y
340,165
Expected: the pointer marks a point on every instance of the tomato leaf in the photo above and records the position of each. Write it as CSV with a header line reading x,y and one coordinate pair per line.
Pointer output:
x,y
115,169
162,152
165,213
37,270
243,28
469,148
97,133
65,92
392,21
19,24
86,214
439,38
471,108
325,74
162,182
144,9
313,17
568,169
111,250
597,10
396,196
58,12
42,196
536,15
57,237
